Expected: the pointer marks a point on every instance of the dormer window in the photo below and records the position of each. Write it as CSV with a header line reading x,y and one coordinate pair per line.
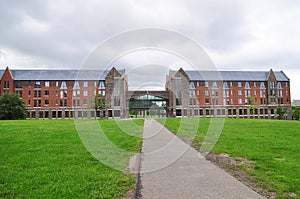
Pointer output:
x,y
225,85
76,85
214,85
192,85
37,84
247,85
279,85
63,85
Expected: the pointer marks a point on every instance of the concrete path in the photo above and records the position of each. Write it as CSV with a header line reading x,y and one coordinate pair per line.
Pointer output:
x,y
172,169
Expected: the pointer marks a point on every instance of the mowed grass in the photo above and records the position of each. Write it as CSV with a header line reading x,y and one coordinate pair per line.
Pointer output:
x,y
46,159
272,145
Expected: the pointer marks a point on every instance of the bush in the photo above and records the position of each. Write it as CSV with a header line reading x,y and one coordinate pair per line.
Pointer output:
x,y
12,107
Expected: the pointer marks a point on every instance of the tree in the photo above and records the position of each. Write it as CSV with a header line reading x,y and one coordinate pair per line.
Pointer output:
x,y
99,104
295,112
280,111
252,107
12,107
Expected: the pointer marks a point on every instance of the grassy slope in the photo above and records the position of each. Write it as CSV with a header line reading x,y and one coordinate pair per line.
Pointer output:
x,y
273,145
47,159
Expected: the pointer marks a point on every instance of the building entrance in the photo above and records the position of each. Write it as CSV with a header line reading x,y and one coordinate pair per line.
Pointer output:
x,y
148,105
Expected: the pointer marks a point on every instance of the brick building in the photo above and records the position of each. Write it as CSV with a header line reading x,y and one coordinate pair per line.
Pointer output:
x,y
67,93
228,93
72,93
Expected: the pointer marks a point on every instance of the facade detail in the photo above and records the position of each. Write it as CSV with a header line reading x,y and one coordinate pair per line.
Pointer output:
x,y
74,93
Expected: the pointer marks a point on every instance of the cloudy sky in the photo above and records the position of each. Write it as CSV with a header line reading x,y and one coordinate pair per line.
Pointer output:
x,y
236,35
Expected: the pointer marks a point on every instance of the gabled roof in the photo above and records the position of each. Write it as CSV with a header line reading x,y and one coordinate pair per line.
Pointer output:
x,y
232,75
60,74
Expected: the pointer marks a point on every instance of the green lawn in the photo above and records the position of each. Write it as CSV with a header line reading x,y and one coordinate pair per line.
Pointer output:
x,y
272,145
46,158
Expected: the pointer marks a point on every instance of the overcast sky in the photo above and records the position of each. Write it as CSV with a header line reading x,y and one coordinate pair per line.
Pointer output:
x,y
237,35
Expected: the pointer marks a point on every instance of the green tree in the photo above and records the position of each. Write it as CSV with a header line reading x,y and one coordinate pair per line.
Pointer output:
x,y
12,107
99,104
252,107
295,112
280,111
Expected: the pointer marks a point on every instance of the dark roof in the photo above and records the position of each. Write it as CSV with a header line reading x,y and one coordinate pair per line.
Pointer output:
x,y
232,75
60,74
1,73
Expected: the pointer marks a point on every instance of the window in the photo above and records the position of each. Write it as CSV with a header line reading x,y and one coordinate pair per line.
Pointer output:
x,y
76,85
46,102
192,93
56,92
272,84
18,84
192,85
239,84
247,85
240,92
280,93
29,102
46,92
198,92
254,84
63,85
240,101
20,93
279,85
255,92
225,85
206,101
246,101
63,94
230,84
29,92
85,93
247,93
56,83
95,83
85,101
101,85
206,84
286,84
286,92
37,84
38,93
85,84
47,84
76,93
56,102
206,92
262,86
214,85
103,92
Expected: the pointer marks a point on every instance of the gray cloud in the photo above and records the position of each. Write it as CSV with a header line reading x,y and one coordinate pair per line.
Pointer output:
x,y
238,35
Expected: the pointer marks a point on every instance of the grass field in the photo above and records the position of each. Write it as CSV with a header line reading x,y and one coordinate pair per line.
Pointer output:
x,y
46,158
272,145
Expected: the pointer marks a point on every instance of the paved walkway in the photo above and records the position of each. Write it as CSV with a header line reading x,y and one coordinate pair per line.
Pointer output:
x,y
172,169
